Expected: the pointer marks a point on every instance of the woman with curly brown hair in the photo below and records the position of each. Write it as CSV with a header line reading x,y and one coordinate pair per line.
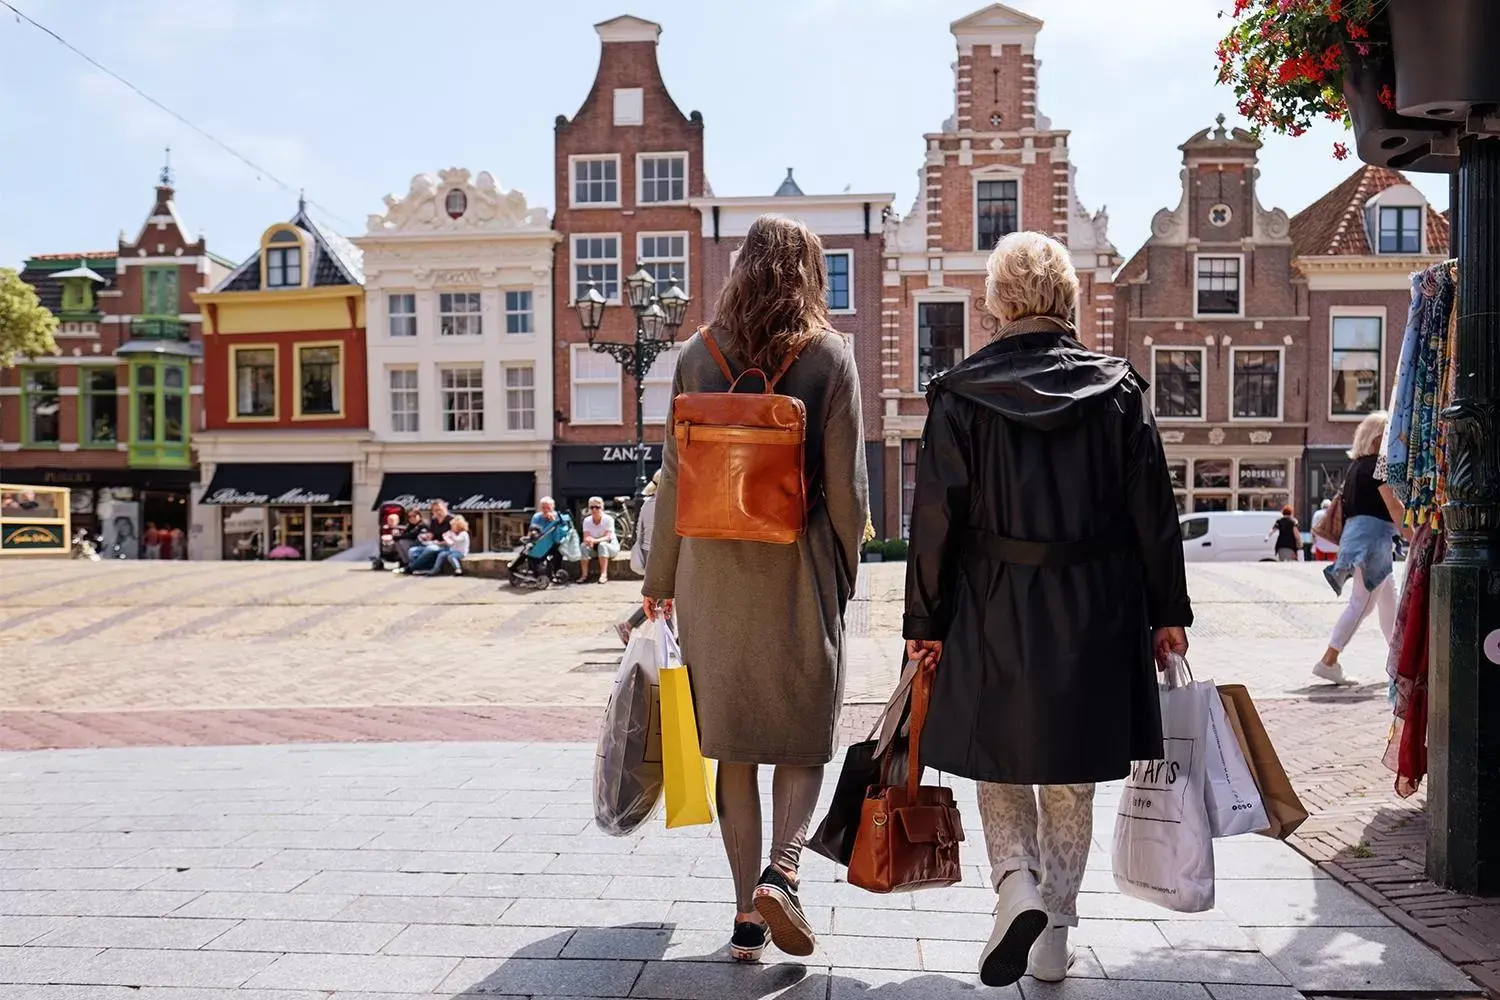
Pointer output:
x,y
762,625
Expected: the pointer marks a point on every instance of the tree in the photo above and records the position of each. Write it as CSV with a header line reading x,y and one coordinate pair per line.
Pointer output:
x,y
25,324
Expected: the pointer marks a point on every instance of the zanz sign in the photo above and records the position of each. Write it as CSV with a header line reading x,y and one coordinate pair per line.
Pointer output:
x,y
627,452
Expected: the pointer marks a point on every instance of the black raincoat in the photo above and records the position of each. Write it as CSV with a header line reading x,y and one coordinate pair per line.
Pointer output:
x,y
1044,548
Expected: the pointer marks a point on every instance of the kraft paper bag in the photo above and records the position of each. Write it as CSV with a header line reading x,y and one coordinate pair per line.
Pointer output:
x,y
688,778
1283,808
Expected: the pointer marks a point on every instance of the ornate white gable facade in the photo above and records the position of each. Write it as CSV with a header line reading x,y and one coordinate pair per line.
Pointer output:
x,y
458,279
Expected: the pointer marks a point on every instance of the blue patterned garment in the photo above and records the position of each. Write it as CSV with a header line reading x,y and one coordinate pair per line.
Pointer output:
x,y
1414,438
1403,397
1366,544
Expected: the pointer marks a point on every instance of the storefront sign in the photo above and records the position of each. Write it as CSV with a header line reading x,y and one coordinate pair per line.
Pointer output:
x,y
230,497
464,492
476,502
24,537
628,453
1263,475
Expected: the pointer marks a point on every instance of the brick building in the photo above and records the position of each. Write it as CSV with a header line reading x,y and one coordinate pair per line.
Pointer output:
x,y
1266,339
286,408
114,414
627,165
998,165
850,228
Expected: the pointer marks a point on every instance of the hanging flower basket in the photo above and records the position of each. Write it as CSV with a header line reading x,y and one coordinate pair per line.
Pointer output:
x,y
1446,58
1292,62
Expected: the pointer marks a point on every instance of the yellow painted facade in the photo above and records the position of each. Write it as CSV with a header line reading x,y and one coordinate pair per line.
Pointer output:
x,y
281,310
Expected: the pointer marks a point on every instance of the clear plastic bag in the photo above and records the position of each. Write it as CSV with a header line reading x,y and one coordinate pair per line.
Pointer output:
x,y
572,549
628,762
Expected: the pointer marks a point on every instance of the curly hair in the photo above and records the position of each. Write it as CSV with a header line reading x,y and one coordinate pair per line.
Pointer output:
x,y
776,298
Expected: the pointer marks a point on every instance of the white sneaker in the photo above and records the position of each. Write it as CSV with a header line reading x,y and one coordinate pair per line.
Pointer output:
x,y
1020,918
1333,675
1051,958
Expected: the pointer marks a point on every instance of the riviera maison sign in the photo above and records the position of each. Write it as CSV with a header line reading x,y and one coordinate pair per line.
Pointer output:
x,y
476,501
245,498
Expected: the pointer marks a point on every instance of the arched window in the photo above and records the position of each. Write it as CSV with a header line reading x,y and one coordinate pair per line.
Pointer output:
x,y
456,203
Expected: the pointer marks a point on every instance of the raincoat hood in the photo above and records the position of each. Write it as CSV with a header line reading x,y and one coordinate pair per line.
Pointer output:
x,y
1036,373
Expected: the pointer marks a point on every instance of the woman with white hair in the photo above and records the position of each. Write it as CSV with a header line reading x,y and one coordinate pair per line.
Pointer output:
x,y
1045,575
1372,515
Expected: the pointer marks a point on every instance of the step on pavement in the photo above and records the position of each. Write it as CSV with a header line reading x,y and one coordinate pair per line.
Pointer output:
x,y
473,869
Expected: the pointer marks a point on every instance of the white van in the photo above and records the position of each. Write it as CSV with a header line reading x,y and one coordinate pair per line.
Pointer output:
x,y
1229,536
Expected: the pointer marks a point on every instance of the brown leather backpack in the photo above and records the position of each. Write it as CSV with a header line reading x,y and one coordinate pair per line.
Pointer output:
x,y
740,459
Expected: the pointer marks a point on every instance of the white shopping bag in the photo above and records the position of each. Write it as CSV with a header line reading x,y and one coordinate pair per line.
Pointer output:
x,y
1234,803
1163,849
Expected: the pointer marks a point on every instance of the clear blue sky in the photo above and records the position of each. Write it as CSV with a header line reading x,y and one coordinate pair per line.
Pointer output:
x,y
350,98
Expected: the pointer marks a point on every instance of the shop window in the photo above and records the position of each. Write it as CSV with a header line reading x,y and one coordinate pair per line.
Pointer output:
x,y
840,296
663,177
911,450
99,407
243,530
458,314
1207,503
940,338
319,380
159,413
1355,363
520,398
596,180
596,387
401,310
1177,382
254,382
1213,474
503,531
1401,230
518,312
405,400
996,212
1218,286
1262,501
161,292
664,256
1256,385
463,398
39,401
330,531
596,261
657,404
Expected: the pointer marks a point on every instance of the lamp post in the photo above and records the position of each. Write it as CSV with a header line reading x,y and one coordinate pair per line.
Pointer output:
x,y
657,320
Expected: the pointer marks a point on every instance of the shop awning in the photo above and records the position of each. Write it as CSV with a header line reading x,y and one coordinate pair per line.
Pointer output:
x,y
465,492
292,484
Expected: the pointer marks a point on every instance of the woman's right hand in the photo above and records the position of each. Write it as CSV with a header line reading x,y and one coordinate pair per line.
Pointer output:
x,y
924,651
1168,642
654,609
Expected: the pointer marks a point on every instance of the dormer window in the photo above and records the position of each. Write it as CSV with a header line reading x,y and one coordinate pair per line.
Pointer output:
x,y
283,260
456,204
1401,229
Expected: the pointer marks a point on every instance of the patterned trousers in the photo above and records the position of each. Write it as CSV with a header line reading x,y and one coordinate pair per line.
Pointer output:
x,y
1063,828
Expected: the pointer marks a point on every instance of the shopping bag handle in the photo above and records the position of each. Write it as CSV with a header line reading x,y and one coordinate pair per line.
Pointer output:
x,y
1178,673
889,722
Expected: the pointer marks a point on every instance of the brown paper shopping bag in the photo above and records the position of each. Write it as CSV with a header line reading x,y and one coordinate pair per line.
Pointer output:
x,y
1284,809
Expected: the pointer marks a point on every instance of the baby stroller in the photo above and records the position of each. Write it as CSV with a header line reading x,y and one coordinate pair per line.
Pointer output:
x,y
388,537
540,562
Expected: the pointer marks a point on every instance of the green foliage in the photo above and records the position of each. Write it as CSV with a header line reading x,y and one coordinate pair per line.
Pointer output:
x,y
894,549
25,325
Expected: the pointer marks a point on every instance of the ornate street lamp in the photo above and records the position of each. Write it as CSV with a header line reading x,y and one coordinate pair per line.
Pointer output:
x,y
657,320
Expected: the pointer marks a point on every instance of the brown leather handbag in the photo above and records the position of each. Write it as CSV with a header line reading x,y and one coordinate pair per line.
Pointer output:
x,y
908,834
740,459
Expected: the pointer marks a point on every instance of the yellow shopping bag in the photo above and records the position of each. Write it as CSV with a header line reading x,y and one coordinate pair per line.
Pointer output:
x,y
687,778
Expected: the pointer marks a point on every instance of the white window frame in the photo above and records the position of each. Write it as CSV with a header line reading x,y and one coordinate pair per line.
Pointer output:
x,y
916,326
618,260
996,173
654,381
529,313
1421,210
507,389
1203,380
477,313
573,382
1357,312
850,255
390,398
578,158
1219,256
640,178
641,260
442,398
391,316
1280,383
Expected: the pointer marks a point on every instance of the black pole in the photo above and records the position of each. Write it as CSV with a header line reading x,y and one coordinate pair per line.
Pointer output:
x,y
1463,805
640,366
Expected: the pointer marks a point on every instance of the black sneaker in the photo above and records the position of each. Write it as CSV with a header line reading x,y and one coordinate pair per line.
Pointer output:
x,y
776,901
749,941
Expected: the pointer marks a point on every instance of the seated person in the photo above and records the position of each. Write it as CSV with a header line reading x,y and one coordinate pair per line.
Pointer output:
x,y
408,537
452,550
599,541
432,534
545,516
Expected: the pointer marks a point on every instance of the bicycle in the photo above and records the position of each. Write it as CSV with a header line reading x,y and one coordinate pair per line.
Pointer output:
x,y
625,522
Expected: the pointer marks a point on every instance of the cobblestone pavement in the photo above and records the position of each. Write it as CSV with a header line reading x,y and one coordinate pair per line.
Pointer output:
x,y
458,870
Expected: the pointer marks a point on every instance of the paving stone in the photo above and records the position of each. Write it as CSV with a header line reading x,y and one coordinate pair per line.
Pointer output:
x,y
691,890
1328,960
316,839
82,878
648,944
1099,989
544,886
316,936
1220,991
266,905
385,973
879,985
24,930
1201,935
41,965
423,909
911,924
201,857
136,932
395,840
729,981
482,941
663,865
1182,966
1294,903
133,967
93,903
586,912
557,977
380,883
231,880
719,917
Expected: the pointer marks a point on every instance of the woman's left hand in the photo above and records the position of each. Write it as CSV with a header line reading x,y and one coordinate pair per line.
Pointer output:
x,y
924,651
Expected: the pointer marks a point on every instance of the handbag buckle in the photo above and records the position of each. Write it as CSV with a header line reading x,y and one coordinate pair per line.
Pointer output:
x,y
878,819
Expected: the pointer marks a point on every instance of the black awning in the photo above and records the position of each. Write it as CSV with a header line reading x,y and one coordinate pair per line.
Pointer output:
x,y
465,492
293,484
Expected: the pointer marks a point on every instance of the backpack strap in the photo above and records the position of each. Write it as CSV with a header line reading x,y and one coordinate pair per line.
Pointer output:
x,y
786,365
770,381
713,348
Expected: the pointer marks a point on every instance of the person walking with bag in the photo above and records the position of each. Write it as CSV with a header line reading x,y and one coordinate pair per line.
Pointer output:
x,y
640,553
1045,574
762,624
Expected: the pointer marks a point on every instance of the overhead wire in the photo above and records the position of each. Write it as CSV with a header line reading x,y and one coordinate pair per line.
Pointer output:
x,y
259,170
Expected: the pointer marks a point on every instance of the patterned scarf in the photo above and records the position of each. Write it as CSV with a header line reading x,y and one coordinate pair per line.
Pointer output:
x,y
1415,439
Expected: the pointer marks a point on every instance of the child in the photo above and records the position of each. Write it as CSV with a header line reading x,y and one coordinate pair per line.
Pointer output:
x,y
455,547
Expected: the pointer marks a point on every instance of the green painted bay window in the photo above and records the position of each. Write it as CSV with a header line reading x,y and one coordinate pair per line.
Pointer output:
x,y
41,422
159,409
160,297
98,407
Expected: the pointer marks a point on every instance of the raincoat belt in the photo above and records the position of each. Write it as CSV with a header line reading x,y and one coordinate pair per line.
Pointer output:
x,y
998,548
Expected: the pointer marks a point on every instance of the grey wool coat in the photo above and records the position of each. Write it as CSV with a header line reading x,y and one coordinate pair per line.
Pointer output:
x,y
762,625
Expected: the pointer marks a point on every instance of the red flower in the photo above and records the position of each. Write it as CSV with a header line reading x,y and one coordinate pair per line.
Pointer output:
x,y
1358,30
1340,151
1362,48
1387,98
